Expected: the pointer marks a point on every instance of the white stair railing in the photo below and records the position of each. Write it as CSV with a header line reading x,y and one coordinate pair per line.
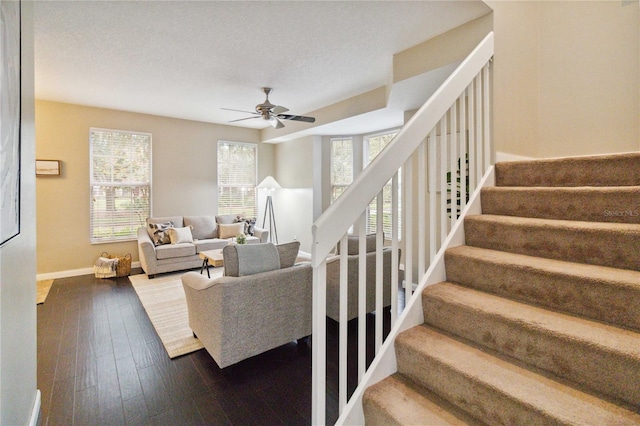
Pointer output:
x,y
449,137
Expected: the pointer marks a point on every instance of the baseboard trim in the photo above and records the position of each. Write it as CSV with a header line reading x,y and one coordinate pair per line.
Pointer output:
x,y
35,412
72,273
502,157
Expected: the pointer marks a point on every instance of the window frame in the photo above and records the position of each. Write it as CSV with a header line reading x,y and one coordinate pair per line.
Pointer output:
x,y
332,185
369,226
254,214
130,184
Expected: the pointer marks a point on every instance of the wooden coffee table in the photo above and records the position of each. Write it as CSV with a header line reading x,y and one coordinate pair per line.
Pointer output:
x,y
211,258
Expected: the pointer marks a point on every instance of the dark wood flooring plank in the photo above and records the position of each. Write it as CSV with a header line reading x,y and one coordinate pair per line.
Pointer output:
x,y
111,411
211,410
87,407
86,365
135,411
277,400
119,338
128,378
62,401
102,332
155,393
139,349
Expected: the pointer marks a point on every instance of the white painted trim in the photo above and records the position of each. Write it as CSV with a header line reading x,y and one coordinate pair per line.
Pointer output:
x,y
340,215
385,363
35,411
506,157
72,273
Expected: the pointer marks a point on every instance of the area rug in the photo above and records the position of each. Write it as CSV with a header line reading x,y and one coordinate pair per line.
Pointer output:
x,y
42,290
164,301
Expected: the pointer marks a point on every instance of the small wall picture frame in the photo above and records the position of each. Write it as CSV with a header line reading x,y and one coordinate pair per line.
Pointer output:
x,y
47,167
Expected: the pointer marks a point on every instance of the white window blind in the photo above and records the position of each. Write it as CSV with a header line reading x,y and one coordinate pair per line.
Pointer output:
x,y
341,166
373,145
237,176
120,168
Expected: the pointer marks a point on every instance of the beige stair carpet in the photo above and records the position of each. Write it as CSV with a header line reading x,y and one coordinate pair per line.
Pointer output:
x,y
539,320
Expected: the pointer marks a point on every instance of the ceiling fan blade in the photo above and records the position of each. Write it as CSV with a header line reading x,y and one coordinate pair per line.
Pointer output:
x,y
241,119
279,109
297,118
239,110
277,124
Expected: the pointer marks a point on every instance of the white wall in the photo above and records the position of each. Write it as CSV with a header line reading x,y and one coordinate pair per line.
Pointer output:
x,y
293,204
18,267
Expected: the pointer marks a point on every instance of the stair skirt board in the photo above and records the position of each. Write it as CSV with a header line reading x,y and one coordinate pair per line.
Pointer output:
x,y
538,320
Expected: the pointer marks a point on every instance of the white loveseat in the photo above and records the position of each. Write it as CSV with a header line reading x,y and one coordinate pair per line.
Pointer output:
x,y
161,250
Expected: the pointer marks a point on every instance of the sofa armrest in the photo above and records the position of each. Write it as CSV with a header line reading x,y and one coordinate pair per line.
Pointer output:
x,y
239,317
146,252
263,234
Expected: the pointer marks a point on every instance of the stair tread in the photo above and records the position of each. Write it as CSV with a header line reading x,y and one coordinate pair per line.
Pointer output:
x,y
598,243
408,403
594,170
613,204
603,274
579,226
595,334
602,293
537,392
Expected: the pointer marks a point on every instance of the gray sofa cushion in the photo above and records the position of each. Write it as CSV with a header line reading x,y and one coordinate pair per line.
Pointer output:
x,y
248,259
226,219
288,253
353,244
204,227
175,250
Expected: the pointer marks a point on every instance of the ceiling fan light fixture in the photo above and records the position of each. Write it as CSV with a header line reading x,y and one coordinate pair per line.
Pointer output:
x,y
277,124
272,113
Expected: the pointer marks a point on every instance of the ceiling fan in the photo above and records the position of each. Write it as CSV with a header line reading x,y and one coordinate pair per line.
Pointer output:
x,y
272,113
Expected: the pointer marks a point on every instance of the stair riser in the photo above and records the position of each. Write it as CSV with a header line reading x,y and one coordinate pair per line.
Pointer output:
x,y
619,205
591,298
608,170
579,361
616,248
467,393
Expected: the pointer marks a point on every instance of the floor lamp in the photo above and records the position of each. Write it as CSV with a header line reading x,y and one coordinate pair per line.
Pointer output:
x,y
270,184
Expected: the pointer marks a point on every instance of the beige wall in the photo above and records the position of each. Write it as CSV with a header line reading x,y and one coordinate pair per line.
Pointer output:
x,y
566,77
184,175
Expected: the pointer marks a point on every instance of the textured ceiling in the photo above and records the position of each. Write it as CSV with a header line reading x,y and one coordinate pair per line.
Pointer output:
x,y
188,59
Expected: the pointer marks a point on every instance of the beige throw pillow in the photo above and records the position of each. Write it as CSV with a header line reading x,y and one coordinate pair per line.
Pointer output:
x,y
230,230
180,235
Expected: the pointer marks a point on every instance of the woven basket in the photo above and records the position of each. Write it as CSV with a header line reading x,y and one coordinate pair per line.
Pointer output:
x,y
123,268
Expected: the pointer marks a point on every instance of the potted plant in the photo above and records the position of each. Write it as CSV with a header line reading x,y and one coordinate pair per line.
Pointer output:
x,y
241,239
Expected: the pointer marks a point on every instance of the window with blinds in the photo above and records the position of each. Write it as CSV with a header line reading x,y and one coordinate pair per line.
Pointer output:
x,y
237,176
341,166
120,180
373,145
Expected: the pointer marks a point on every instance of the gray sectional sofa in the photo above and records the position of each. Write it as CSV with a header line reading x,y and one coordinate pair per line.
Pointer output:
x,y
173,243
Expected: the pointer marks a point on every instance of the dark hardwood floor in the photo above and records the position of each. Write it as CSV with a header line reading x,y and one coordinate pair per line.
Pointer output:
x,y
100,361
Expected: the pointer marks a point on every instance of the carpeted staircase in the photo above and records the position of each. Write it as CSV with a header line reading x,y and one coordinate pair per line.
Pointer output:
x,y
539,319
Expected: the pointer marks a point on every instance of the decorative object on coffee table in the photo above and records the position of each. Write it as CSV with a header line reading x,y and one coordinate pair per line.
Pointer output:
x,y
270,184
